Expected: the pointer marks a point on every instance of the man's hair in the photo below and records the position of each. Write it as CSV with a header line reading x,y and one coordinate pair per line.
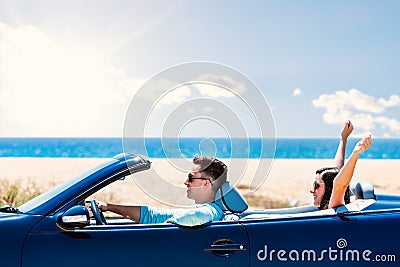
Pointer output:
x,y
212,168
328,175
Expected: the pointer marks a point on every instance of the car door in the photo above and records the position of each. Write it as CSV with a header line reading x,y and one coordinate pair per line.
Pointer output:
x,y
217,244
360,239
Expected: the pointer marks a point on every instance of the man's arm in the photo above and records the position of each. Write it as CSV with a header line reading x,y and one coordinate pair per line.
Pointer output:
x,y
343,178
341,150
130,212
197,216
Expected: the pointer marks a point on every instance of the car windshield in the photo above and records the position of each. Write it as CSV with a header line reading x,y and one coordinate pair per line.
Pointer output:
x,y
41,199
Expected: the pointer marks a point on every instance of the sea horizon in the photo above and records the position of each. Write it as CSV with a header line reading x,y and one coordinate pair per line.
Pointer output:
x,y
107,147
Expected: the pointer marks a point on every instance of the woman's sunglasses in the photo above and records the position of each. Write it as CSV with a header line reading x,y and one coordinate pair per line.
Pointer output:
x,y
316,185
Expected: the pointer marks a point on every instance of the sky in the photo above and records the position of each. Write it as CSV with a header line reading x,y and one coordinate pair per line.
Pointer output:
x,y
72,68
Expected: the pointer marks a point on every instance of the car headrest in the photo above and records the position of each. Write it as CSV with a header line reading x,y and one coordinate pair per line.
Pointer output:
x,y
364,190
231,199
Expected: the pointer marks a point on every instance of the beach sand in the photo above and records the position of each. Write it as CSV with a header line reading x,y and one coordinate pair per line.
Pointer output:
x,y
287,183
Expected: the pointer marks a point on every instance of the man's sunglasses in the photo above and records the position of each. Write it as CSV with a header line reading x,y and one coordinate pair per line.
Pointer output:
x,y
191,178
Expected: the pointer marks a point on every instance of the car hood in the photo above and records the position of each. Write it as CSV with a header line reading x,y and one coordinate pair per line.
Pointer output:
x,y
9,216
17,220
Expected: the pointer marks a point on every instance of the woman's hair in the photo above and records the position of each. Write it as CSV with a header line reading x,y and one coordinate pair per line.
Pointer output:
x,y
328,174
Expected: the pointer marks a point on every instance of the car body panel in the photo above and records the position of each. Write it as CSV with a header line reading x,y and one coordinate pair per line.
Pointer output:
x,y
13,230
145,245
344,237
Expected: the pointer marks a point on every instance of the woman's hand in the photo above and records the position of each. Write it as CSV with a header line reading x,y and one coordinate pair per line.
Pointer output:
x,y
363,145
347,129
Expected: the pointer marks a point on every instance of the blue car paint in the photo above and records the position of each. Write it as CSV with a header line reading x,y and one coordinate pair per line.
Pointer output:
x,y
13,230
360,233
36,237
134,245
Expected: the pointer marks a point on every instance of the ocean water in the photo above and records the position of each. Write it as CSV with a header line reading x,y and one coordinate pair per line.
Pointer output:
x,y
291,148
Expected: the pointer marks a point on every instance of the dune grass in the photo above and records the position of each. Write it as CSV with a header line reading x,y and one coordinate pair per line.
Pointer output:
x,y
259,201
15,193
262,202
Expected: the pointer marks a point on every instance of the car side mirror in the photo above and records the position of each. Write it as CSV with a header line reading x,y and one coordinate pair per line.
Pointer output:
x,y
75,217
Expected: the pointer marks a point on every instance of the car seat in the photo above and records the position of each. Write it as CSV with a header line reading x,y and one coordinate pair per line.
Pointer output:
x,y
231,200
364,190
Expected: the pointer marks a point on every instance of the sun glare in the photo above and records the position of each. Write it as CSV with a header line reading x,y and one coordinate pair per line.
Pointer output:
x,y
48,84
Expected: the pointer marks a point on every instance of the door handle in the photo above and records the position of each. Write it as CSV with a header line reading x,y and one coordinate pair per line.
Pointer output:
x,y
225,247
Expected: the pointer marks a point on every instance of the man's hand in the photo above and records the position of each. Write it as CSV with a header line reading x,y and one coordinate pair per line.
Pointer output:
x,y
102,205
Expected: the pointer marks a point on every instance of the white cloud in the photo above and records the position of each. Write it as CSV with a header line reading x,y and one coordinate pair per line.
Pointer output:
x,y
297,92
51,88
179,94
361,109
174,96
391,124
394,100
213,91
224,81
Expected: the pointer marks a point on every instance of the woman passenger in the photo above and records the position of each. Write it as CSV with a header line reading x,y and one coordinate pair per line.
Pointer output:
x,y
331,185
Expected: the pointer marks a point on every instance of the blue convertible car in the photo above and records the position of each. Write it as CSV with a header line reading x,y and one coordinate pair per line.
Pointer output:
x,y
55,229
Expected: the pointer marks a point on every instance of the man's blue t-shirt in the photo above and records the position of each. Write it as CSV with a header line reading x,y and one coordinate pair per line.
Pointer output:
x,y
198,215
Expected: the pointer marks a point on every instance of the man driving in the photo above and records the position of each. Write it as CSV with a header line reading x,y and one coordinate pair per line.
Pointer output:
x,y
205,179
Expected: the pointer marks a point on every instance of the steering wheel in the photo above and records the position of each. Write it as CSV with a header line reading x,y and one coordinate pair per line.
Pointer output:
x,y
97,213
